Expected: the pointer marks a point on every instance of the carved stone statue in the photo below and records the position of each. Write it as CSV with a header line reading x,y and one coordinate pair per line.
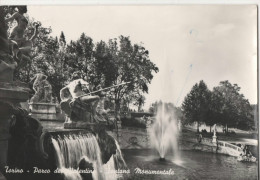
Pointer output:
x,y
77,105
214,130
11,94
19,46
7,63
214,137
18,31
42,88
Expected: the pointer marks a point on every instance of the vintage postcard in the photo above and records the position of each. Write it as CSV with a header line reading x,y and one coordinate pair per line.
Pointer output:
x,y
129,92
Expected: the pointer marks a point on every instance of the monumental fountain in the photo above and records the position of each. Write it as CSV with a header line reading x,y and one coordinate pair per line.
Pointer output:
x,y
82,150
11,93
164,132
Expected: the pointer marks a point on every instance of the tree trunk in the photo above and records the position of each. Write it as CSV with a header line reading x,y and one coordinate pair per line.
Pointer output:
x,y
226,128
139,108
117,116
210,128
198,126
117,109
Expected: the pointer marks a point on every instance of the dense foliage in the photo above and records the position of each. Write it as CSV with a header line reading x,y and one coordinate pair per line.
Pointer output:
x,y
225,105
102,64
196,104
234,110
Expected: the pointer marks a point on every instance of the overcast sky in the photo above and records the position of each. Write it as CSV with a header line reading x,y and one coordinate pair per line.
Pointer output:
x,y
188,43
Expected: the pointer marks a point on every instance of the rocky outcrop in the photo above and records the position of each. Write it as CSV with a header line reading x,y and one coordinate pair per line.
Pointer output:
x,y
24,150
106,143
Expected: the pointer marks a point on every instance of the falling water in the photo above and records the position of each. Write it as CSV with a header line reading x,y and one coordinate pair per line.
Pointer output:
x,y
70,149
164,131
118,158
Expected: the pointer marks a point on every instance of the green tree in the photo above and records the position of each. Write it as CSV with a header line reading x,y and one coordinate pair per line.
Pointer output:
x,y
119,62
103,68
102,65
232,106
213,115
80,57
254,124
196,104
139,101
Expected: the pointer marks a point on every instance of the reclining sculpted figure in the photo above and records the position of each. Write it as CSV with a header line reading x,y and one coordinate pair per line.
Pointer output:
x,y
78,105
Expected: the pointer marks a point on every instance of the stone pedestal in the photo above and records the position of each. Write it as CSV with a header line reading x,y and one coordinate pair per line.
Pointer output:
x,y
14,92
11,94
214,139
79,125
43,111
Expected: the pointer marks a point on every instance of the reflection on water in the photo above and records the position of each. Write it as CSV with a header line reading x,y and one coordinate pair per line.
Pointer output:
x,y
194,165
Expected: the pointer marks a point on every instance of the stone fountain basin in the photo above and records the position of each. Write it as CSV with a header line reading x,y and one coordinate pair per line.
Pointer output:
x,y
43,111
14,91
46,108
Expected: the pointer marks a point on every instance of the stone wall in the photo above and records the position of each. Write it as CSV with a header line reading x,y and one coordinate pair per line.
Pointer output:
x,y
138,138
132,138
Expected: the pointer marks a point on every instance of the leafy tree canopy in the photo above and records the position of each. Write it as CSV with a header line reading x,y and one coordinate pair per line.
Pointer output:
x,y
233,107
196,104
101,64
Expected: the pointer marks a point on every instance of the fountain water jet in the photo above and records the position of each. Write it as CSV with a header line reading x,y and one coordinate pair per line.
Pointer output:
x,y
164,131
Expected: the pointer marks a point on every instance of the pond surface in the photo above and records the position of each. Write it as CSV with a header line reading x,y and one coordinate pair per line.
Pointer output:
x,y
192,165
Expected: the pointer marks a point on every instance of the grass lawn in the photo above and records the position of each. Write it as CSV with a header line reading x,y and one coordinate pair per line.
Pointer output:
x,y
239,136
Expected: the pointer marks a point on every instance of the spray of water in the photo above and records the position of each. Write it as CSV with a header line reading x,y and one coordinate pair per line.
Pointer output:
x,y
164,131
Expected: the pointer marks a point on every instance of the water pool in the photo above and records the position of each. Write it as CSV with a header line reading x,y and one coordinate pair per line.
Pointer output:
x,y
192,165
